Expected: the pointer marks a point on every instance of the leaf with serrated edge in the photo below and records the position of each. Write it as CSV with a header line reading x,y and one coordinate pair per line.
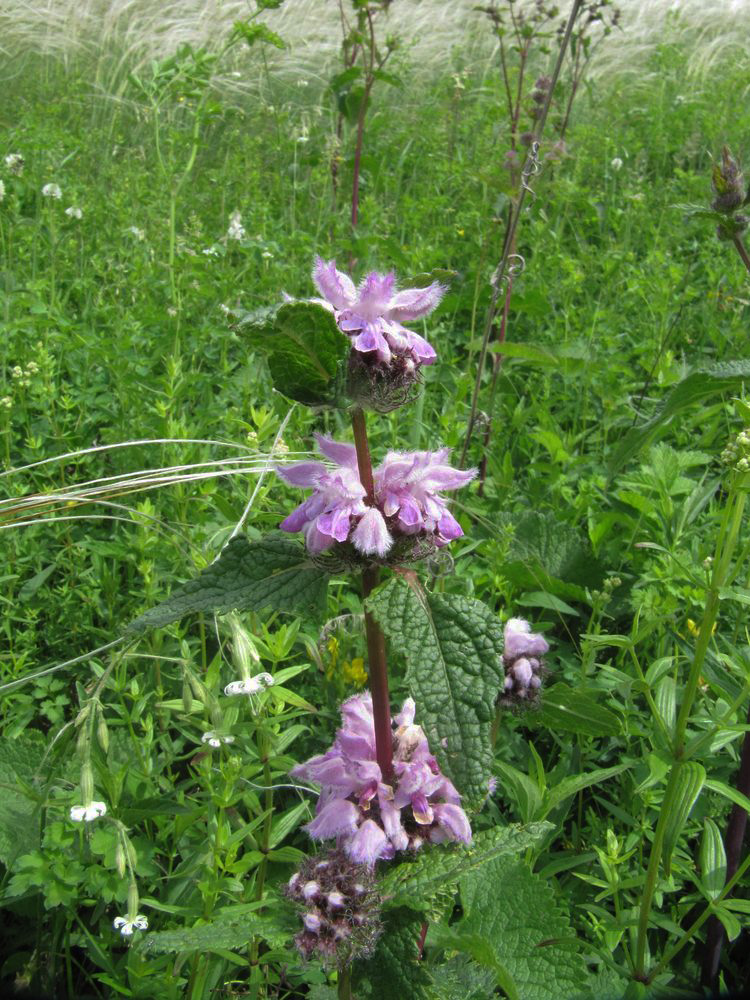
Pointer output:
x,y
453,647
413,883
395,970
271,574
518,913
231,932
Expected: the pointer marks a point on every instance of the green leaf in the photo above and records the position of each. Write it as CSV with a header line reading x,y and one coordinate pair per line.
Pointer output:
x,y
452,648
38,580
273,573
284,823
731,924
577,782
480,949
307,353
722,788
527,927
414,883
525,791
695,387
690,781
712,859
425,278
231,929
20,760
574,712
395,970
567,361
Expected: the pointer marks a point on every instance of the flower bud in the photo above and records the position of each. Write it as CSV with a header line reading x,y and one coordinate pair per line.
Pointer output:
x,y
728,184
102,733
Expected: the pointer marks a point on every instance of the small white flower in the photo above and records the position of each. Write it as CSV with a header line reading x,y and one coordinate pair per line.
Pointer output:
x,y
253,685
303,138
14,162
210,252
7,402
2,190
136,232
236,230
267,255
126,925
215,739
52,191
74,212
616,164
93,810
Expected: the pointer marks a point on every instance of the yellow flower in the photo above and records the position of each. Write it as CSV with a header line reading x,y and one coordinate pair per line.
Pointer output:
x,y
694,629
355,672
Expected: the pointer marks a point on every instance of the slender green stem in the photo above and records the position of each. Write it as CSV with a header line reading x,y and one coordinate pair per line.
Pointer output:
x,y
345,983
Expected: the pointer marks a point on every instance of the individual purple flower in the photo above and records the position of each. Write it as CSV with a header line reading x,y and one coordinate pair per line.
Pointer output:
x,y
373,313
370,818
338,499
523,661
407,490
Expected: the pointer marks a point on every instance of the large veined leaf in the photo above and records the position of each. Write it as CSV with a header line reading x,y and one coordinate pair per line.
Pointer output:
x,y
395,969
20,760
701,384
307,353
527,929
452,647
274,573
413,883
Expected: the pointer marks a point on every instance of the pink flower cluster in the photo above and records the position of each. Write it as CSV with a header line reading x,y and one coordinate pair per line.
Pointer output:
x,y
373,314
522,659
371,818
407,499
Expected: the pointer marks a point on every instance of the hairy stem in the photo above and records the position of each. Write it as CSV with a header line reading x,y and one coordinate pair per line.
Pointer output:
x,y
345,983
378,668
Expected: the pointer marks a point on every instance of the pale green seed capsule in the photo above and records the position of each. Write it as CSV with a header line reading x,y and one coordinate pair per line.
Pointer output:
x,y
133,899
120,863
102,733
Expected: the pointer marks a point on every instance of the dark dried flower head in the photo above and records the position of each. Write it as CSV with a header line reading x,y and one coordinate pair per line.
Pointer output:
x,y
728,184
339,908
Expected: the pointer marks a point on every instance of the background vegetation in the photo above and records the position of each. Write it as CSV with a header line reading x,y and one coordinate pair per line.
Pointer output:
x,y
136,426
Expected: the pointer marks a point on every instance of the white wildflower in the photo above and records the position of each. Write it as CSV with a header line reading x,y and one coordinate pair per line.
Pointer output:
x,y
52,191
15,163
126,925
253,685
267,255
81,814
137,233
236,230
616,164
6,402
215,739
74,212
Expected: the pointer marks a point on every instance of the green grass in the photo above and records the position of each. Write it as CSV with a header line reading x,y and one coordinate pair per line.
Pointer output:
x,y
114,345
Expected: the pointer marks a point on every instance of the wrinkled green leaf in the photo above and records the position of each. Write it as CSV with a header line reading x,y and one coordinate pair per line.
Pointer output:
x,y
20,759
273,573
414,883
230,929
307,353
527,927
395,970
452,647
